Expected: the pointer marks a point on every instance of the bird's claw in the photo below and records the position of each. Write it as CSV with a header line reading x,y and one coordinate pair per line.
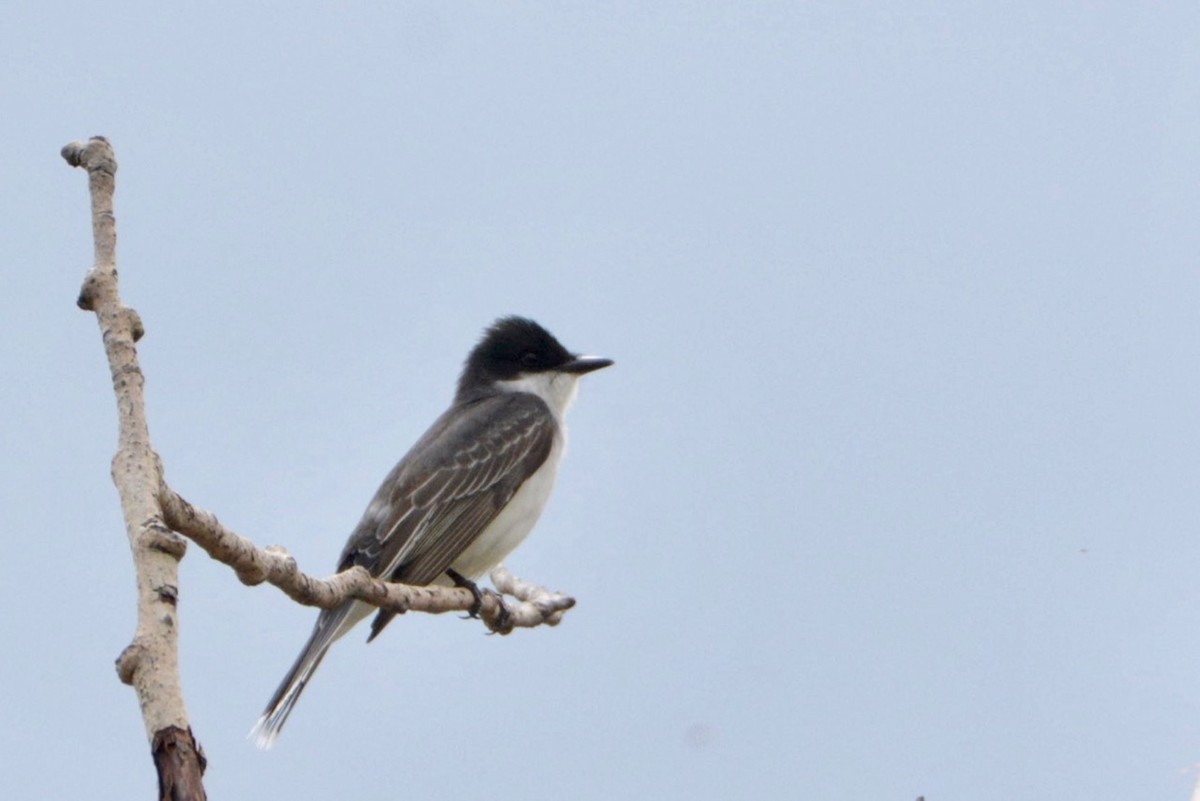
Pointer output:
x,y
462,581
503,623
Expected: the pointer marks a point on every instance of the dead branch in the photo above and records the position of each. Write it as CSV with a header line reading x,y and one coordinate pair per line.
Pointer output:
x,y
535,605
151,662
154,513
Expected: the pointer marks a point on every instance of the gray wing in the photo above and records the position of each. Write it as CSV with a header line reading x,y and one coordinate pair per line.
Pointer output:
x,y
448,488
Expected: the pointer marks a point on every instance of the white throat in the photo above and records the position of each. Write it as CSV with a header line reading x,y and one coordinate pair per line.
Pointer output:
x,y
556,389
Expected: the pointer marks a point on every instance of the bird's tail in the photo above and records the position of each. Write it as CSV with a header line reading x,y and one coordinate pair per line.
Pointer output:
x,y
332,623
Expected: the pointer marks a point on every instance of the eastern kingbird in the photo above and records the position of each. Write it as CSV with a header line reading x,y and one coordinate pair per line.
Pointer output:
x,y
465,495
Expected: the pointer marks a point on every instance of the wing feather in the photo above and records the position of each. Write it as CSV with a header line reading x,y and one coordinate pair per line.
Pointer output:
x,y
449,487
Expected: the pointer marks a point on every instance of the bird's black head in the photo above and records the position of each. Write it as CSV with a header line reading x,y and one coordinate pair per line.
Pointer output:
x,y
516,346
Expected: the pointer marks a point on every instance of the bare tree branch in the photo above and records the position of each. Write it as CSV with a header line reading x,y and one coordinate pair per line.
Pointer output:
x,y
273,565
151,662
154,513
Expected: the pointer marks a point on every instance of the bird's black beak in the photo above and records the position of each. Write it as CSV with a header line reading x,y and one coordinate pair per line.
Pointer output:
x,y
585,364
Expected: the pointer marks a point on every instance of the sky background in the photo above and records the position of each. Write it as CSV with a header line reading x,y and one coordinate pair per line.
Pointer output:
x,y
892,491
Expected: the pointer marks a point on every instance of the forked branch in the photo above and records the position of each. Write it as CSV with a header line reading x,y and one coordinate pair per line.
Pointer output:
x,y
154,514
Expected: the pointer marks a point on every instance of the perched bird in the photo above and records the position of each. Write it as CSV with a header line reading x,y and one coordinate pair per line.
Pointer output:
x,y
465,495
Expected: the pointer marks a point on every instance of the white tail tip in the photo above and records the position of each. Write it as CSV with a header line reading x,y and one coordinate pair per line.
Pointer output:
x,y
265,733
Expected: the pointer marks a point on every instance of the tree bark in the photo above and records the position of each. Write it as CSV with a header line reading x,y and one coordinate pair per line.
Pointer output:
x,y
151,662
180,763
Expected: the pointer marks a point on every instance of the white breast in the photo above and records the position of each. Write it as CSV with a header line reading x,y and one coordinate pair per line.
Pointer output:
x,y
515,520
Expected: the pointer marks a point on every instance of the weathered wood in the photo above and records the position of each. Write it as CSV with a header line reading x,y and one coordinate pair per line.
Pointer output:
x,y
150,663
180,762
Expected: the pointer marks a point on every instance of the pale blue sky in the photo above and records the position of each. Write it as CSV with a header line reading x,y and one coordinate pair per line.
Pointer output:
x,y
893,490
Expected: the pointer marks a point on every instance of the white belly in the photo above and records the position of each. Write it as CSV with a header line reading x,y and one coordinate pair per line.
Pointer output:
x,y
515,520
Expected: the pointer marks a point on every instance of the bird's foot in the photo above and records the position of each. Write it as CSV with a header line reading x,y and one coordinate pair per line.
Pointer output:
x,y
503,624
462,581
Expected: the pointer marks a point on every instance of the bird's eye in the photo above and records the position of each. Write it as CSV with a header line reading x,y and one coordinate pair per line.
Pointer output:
x,y
529,359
